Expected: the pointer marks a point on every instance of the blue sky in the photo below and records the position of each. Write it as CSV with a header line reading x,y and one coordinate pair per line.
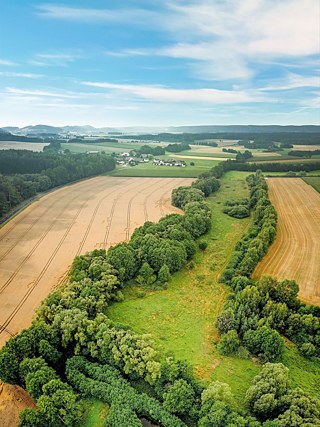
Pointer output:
x,y
158,63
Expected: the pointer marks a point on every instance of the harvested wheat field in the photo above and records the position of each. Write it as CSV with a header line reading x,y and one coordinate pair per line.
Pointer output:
x,y
295,254
38,245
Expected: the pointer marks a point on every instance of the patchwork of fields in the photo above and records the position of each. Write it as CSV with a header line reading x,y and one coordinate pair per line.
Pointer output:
x,y
38,245
295,254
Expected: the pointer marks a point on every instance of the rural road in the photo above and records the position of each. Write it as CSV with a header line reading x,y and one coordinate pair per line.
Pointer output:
x,y
38,245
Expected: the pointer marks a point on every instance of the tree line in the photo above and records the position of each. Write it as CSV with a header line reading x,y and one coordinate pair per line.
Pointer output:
x,y
25,173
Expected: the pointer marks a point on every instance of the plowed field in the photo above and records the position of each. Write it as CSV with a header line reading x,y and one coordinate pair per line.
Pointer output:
x,y
38,245
295,254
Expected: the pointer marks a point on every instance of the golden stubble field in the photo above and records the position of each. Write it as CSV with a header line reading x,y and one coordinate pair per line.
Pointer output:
x,y
38,245
295,254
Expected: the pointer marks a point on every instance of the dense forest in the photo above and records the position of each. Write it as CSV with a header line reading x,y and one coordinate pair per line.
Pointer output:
x,y
25,173
74,351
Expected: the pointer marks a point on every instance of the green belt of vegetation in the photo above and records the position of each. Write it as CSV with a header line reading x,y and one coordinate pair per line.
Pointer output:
x,y
26,173
71,322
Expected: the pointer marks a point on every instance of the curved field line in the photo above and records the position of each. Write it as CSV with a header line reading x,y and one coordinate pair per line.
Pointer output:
x,y
22,235
30,253
127,229
110,218
45,268
95,213
295,254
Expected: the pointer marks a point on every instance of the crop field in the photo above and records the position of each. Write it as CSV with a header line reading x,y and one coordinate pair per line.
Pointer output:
x,y
38,245
295,254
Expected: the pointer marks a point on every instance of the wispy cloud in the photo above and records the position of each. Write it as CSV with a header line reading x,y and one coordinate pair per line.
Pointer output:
x,y
59,59
93,15
293,81
7,62
42,93
164,94
226,40
23,75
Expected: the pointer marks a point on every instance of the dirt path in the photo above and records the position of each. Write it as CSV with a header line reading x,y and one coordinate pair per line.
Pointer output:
x,y
38,245
295,254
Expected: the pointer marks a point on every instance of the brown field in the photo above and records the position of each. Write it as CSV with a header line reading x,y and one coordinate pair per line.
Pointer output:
x,y
295,254
306,147
38,245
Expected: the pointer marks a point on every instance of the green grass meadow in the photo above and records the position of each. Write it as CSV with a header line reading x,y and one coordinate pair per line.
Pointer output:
x,y
95,413
314,181
151,170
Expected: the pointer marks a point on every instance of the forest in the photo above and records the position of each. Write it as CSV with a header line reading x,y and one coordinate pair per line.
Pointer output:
x,y
25,173
73,350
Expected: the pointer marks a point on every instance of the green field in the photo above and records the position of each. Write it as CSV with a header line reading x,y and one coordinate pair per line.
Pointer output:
x,y
108,147
151,170
314,181
181,318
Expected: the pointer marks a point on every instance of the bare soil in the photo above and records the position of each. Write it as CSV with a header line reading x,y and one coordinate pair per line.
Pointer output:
x,y
13,399
295,254
38,245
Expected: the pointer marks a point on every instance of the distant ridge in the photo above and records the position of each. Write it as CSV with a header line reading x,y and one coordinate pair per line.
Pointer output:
x,y
47,130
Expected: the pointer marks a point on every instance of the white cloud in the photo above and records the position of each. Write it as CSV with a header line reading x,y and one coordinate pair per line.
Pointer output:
x,y
164,94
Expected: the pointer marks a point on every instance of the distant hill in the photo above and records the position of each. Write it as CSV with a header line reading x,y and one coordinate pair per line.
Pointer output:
x,y
52,131
246,129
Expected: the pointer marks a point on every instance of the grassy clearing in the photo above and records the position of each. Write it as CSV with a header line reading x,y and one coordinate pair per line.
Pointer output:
x,y
95,413
314,182
150,170
181,318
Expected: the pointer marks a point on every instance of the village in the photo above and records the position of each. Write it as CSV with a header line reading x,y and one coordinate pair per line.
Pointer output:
x,y
131,159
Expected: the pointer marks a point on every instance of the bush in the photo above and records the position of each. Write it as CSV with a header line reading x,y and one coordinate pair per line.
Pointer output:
x,y
203,245
229,343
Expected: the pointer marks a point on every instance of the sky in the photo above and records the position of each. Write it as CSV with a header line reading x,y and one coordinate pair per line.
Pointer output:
x,y
159,63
